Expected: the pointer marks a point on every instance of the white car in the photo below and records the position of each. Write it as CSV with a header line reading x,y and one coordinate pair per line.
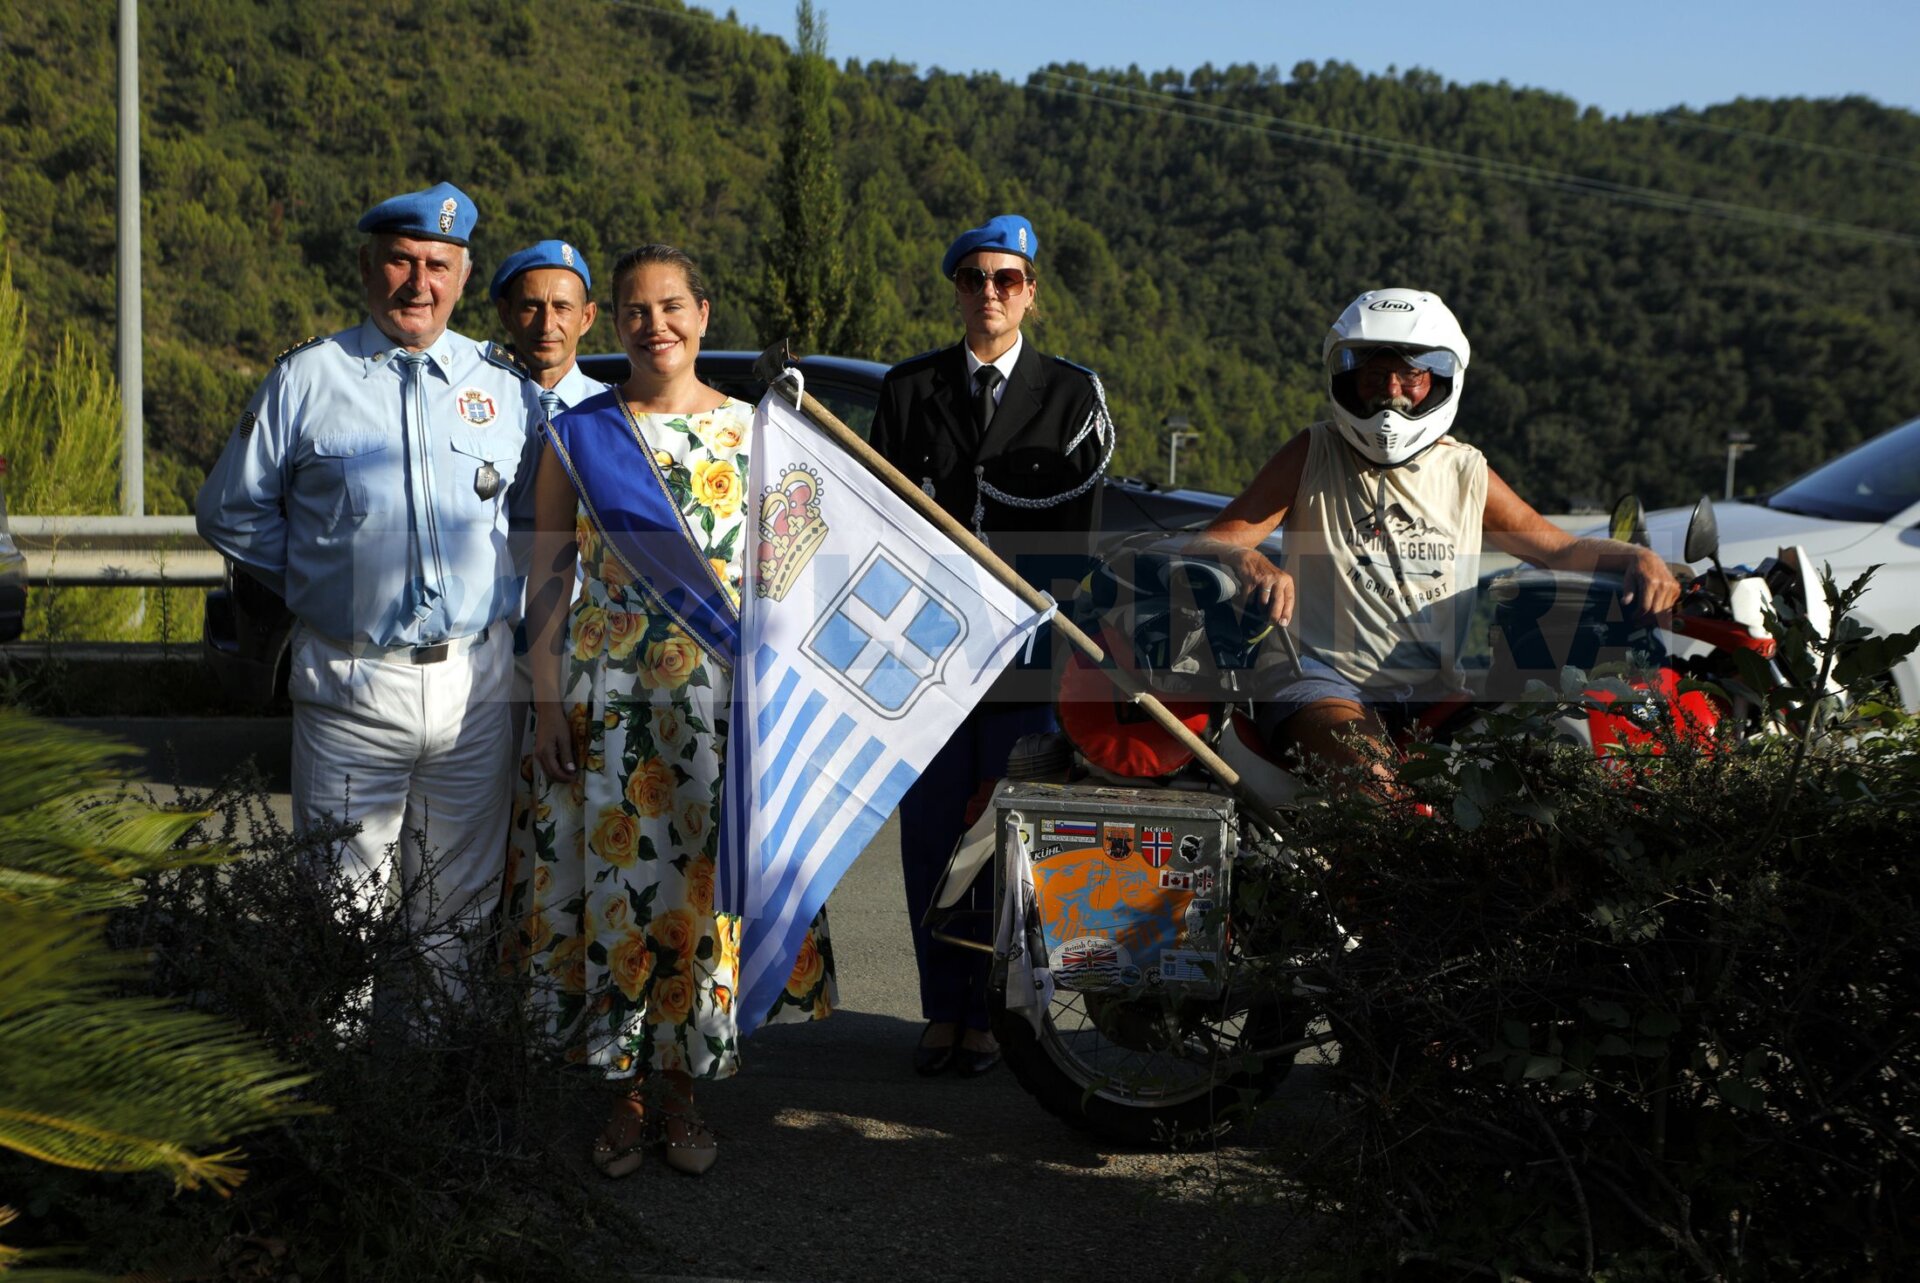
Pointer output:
x,y
1861,509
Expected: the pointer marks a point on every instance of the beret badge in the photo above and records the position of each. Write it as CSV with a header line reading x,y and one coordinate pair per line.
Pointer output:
x,y
448,208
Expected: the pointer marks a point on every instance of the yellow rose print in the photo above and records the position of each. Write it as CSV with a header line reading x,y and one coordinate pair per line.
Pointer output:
x,y
700,887
537,932
624,631
616,914
614,575
675,932
568,964
807,969
671,1002
725,441
716,485
651,788
663,458
723,997
616,838
630,963
589,631
693,820
725,575
726,944
669,662
668,727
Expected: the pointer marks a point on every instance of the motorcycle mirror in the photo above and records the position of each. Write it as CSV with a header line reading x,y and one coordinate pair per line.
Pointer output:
x,y
1703,533
1629,522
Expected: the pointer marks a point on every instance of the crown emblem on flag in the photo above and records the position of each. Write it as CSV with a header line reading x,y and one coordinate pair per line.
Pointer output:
x,y
791,531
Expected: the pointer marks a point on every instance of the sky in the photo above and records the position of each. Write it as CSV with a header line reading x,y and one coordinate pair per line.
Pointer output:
x,y
1639,56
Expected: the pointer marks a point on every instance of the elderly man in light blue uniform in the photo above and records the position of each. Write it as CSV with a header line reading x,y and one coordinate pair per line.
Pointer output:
x,y
371,482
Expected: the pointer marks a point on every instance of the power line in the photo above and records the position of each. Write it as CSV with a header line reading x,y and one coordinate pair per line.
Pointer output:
x,y
1179,107
1798,144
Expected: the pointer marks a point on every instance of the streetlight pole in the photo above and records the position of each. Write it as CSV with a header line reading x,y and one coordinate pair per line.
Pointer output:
x,y
1738,443
1178,434
133,498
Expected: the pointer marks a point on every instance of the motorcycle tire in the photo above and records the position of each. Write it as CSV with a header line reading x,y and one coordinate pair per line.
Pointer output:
x,y
1138,1105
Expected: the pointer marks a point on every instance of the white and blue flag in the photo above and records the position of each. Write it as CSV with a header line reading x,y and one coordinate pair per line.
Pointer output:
x,y
866,635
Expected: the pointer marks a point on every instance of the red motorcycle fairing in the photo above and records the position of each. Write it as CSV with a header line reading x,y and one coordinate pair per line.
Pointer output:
x,y
1635,724
1111,732
1724,634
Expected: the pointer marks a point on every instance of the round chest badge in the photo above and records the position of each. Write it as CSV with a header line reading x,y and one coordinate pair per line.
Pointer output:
x,y
476,407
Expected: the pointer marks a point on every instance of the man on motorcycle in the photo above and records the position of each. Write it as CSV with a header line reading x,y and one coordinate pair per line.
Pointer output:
x,y
1384,515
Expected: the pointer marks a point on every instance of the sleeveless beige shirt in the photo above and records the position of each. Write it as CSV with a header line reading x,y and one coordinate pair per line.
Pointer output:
x,y
1385,561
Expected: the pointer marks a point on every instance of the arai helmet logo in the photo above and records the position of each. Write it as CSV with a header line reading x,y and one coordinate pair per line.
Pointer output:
x,y
1390,305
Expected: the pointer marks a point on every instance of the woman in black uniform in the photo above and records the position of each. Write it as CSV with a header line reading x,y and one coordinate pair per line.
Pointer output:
x,y
1013,444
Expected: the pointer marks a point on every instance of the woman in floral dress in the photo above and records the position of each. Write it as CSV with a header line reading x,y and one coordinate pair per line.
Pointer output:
x,y
610,876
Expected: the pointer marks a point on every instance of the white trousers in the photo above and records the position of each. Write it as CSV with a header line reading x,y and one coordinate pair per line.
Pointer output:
x,y
415,754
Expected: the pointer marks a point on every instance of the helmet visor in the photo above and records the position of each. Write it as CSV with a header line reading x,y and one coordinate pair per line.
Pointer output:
x,y
1437,361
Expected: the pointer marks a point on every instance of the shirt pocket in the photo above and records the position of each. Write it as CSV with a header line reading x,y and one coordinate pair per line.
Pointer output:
x,y
473,453
357,463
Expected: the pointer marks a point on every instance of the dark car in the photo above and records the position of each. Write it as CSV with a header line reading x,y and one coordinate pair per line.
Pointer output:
x,y
13,574
247,625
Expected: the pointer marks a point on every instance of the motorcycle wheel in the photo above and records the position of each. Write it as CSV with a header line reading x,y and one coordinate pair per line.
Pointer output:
x,y
1109,1071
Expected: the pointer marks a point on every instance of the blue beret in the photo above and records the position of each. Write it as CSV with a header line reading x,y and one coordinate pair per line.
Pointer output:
x,y
545,254
441,213
1007,234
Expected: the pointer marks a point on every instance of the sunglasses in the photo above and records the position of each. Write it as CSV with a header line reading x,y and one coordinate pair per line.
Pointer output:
x,y
1008,280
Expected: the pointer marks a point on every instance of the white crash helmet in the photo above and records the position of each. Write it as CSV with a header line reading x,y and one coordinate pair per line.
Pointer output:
x,y
1418,328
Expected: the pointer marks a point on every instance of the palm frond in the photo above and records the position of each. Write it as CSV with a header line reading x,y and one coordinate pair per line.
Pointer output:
x,y
95,1078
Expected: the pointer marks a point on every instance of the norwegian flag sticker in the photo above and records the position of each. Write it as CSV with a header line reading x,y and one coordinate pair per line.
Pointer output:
x,y
1156,846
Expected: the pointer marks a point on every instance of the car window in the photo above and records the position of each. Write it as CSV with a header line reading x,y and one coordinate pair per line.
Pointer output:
x,y
852,406
1872,482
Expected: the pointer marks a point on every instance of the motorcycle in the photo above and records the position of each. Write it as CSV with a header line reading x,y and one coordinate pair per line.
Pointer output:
x,y
1130,997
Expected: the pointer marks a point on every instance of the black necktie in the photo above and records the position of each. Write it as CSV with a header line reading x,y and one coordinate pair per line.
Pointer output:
x,y
985,380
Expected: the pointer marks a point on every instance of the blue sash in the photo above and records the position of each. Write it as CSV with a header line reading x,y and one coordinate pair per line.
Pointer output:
x,y
629,506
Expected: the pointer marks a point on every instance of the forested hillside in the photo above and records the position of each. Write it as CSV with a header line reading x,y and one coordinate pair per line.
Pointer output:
x,y
1634,288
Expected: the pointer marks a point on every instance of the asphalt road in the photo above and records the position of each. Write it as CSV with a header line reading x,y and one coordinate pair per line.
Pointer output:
x,y
837,1162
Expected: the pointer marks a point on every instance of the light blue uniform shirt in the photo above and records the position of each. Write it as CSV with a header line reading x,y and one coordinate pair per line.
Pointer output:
x,y
359,496
575,386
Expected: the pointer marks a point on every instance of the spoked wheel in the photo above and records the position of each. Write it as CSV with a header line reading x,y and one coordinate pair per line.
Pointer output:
x,y
1147,1070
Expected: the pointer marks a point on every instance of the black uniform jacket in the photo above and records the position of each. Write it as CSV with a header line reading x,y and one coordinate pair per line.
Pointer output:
x,y
924,426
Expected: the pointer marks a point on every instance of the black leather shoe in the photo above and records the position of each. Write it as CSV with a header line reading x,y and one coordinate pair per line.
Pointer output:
x,y
971,1064
928,1061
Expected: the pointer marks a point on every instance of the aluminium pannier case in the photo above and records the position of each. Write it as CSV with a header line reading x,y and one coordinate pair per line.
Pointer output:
x,y
1130,883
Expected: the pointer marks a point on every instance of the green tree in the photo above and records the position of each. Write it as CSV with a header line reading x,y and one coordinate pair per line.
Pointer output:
x,y
93,1078
808,284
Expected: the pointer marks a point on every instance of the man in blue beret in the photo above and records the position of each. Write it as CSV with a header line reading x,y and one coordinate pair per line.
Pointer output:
x,y
1013,444
544,294
371,482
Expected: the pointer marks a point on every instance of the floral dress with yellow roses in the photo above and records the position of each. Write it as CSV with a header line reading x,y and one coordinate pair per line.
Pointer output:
x,y
610,877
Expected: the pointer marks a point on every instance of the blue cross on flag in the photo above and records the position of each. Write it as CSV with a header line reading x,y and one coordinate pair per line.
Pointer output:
x,y
866,636
887,634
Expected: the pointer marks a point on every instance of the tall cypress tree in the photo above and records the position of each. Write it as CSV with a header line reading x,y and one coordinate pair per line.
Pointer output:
x,y
808,287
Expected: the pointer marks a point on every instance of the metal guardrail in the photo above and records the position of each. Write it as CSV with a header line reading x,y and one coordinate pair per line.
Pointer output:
x,y
115,552
167,552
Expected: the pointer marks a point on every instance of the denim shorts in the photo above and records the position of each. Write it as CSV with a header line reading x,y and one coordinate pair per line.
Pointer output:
x,y
1316,681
